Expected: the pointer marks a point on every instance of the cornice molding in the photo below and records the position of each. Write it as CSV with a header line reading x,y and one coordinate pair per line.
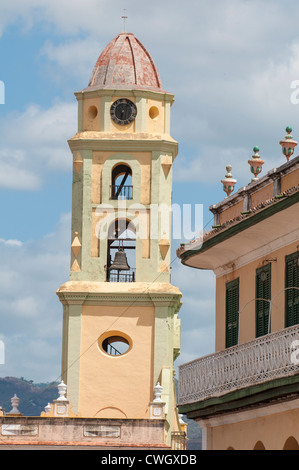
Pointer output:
x,y
94,93
169,297
97,141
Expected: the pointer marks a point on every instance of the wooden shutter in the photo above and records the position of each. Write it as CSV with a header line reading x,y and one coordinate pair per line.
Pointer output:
x,y
262,307
232,313
292,295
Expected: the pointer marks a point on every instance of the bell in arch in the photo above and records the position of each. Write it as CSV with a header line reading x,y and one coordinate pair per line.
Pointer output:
x,y
120,262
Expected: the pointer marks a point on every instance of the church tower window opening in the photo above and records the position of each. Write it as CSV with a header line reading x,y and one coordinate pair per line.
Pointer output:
x,y
121,187
121,249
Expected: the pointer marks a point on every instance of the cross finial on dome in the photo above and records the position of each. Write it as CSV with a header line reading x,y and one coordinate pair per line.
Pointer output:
x,y
124,17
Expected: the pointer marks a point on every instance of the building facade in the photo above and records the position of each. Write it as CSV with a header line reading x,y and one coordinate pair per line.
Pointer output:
x,y
121,330
245,396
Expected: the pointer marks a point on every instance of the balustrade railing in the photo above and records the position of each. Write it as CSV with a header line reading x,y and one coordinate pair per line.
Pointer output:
x,y
178,441
121,192
121,276
255,362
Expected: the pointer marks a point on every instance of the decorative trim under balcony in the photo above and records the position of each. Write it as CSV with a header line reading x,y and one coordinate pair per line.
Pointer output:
x,y
256,362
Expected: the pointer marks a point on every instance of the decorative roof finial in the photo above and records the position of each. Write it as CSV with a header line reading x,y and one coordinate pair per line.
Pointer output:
x,y
158,389
15,403
256,163
124,17
288,145
62,388
48,408
228,182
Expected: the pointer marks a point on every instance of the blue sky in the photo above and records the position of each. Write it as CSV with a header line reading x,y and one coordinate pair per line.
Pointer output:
x,y
231,71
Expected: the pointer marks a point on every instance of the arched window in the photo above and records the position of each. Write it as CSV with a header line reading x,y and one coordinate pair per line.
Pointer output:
x,y
121,184
121,249
291,444
259,446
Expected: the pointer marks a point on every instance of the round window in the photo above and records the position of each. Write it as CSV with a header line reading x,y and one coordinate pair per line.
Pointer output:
x,y
92,112
114,344
154,112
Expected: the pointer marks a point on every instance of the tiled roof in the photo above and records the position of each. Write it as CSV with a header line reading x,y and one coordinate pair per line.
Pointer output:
x,y
125,63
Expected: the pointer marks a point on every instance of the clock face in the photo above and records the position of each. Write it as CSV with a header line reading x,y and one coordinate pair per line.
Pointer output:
x,y
123,112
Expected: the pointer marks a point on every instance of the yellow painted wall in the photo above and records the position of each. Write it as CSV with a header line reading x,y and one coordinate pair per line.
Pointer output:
x,y
98,161
262,195
289,180
123,383
91,114
155,122
247,276
231,212
245,435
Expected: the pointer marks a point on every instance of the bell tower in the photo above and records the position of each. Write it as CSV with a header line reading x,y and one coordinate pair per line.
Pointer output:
x,y
121,331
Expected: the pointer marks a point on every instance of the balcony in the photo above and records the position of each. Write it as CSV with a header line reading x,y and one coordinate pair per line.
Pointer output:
x,y
256,362
121,192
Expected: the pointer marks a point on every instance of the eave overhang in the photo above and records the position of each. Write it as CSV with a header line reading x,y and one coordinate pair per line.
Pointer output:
x,y
271,392
251,234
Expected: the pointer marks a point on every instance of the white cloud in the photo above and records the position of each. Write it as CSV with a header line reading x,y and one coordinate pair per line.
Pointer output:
x,y
197,313
238,114
64,16
12,175
72,58
11,242
30,312
25,307
39,146
195,343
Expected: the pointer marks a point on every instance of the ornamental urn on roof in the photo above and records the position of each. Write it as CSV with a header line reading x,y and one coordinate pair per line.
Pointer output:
x,y
288,144
256,163
228,182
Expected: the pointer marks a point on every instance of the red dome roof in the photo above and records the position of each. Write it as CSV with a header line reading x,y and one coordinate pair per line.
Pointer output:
x,y
125,64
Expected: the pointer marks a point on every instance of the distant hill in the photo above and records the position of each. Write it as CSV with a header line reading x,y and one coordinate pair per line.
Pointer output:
x,y
33,397
194,433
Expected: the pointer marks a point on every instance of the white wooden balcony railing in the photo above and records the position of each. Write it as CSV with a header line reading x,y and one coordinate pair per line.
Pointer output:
x,y
266,358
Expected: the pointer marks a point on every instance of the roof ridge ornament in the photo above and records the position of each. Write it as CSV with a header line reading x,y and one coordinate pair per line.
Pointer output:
x,y
124,17
228,182
288,145
256,164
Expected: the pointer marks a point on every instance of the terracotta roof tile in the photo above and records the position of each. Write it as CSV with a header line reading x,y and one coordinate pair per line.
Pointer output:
x,y
125,63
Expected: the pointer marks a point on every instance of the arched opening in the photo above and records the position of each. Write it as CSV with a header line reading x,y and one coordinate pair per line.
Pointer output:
x,y
291,444
259,446
111,412
121,250
121,182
